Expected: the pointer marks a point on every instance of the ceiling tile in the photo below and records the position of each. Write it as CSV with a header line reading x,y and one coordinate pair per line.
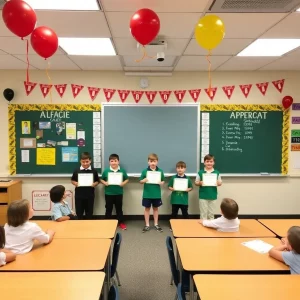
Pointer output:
x,y
130,61
119,24
227,47
4,31
75,23
8,62
199,63
150,69
238,63
155,5
103,63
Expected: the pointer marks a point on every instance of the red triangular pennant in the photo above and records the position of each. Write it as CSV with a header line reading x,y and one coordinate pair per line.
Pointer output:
x,y
245,88
151,95
45,89
76,89
279,84
263,87
109,94
123,94
195,94
29,87
165,95
60,88
228,90
211,92
180,95
137,95
93,91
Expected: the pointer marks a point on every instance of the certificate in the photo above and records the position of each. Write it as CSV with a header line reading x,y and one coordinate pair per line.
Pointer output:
x,y
115,178
180,184
153,177
210,179
85,179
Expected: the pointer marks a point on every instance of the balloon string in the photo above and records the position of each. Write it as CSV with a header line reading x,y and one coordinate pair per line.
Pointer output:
x,y
209,70
145,55
50,81
27,59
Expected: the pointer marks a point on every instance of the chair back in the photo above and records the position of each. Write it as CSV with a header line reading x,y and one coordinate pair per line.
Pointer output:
x,y
113,293
170,249
180,292
115,255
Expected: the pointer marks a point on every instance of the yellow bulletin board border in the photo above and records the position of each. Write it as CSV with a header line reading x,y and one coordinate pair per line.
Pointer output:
x,y
36,107
263,107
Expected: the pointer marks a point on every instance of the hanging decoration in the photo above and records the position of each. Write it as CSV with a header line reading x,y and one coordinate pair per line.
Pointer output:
x,y
287,102
245,88
123,95
109,93
137,95
211,92
195,94
45,89
180,95
263,87
60,88
279,84
165,95
93,91
228,90
76,89
151,96
29,87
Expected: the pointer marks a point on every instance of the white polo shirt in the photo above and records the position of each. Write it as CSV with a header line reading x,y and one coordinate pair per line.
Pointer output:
x,y
2,259
223,224
20,239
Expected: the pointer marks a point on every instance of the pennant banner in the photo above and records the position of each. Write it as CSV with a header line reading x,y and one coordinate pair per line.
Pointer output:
x,y
60,88
29,87
245,88
76,89
109,94
93,91
137,95
45,89
195,94
279,84
263,87
211,92
165,95
123,95
180,95
228,90
151,96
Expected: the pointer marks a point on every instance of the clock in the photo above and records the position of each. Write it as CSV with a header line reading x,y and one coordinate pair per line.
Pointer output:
x,y
144,83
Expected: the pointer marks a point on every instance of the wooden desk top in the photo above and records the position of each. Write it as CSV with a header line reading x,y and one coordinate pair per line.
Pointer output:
x,y
191,228
280,227
81,229
64,255
51,285
225,254
248,287
8,184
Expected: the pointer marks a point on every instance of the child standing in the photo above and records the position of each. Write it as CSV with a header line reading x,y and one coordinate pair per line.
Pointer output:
x,y
113,192
289,251
6,256
152,192
207,194
180,199
85,195
19,232
61,210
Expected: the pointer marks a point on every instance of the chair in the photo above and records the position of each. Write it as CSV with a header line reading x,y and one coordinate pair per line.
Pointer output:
x,y
113,293
115,258
180,293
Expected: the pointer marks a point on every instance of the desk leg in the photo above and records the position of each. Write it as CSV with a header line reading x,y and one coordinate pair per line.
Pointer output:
x,y
107,276
192,296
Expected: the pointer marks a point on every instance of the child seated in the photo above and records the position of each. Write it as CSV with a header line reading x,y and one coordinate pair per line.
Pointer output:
x,y
289,251
229,221
6,256
61,210
19,232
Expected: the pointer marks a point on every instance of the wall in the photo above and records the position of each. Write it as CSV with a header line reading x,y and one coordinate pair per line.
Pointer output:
x,y
254,195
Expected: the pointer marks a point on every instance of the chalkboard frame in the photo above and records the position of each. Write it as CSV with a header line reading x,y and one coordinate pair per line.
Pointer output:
x,y
12,108
261,107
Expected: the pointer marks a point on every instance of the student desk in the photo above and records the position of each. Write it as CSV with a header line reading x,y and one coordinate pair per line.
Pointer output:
x,y
81,229
226,255
248,287
51,285
280,227
192,229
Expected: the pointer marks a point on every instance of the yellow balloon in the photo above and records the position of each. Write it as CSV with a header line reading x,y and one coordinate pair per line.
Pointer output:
x,y
209,32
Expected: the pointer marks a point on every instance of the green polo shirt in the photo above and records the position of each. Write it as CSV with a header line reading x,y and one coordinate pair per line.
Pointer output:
x,y
113,189
152,191
178,197
208,192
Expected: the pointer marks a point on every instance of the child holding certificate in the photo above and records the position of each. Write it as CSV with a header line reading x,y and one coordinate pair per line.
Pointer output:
x,y
208,180
114,178
180,185
152,178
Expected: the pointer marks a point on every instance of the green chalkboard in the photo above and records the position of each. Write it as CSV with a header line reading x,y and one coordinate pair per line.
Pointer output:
x,y
246,138
48,139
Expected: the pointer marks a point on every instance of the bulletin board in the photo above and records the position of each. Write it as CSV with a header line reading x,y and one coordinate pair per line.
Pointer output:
x,y
49,138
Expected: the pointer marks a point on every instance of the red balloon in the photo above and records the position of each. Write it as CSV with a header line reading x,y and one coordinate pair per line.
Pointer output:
x,y
44,41
19,17
287,101
144,26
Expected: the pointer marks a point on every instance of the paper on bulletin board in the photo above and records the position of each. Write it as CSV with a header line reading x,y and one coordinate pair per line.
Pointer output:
x,y
45,156
25,156
27,143
69,154
71,131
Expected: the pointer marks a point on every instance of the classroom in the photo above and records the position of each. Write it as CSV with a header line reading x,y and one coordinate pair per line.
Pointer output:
x,y
137,94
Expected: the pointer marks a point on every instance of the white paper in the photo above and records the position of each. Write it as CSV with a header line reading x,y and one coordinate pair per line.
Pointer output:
x,y
97,165
96,115
205,141
25,155
97,152
153,177
96,121
205,122
96,134
202,159
209,179
205,148
63,143
85,179
80,134
28,143
205,134
115,178
205,116
66,157
258,246
96,127
97,146
205,128
97,140
180,184
97,158
71,131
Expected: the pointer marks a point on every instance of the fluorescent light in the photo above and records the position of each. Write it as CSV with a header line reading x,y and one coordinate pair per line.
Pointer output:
x,y
64,4
87,46
298,9
270,47
149,74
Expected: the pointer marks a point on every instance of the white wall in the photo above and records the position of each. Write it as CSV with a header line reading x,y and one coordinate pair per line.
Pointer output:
x,y
254,195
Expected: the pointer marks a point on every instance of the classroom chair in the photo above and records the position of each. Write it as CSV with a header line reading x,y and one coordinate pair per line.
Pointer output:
x,y
113,293
115,257
180,292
